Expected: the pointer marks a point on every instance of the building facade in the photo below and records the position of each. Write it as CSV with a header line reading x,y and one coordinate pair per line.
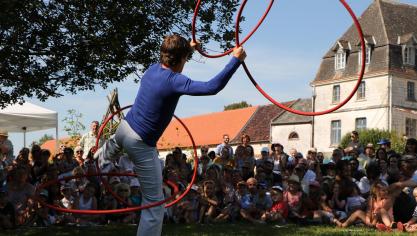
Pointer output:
x,y
386,97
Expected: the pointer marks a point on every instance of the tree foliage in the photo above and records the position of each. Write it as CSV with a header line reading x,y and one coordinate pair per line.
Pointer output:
x,y
73,125
45,138
374,135
237,105
55,46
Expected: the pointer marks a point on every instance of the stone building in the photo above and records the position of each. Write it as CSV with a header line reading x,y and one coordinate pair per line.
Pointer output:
x,y
386,98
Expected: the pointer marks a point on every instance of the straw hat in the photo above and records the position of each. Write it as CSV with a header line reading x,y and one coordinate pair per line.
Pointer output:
x,y
4,133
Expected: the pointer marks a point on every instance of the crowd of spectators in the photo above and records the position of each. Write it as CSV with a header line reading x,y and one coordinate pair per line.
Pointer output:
x,y
357,185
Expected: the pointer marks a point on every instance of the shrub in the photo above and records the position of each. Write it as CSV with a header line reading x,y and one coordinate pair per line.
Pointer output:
x,y
373,136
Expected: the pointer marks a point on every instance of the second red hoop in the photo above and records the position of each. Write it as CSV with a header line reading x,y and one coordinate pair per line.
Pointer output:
x,y
298,112
193,29
99,212
194,177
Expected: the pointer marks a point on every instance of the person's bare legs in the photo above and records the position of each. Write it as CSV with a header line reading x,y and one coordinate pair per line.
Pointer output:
x,y
357,215
385,217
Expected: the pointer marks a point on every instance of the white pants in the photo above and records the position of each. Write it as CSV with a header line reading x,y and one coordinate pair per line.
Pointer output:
x,y
148,168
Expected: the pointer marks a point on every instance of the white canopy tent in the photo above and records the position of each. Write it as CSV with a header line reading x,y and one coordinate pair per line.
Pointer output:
x,y
28,117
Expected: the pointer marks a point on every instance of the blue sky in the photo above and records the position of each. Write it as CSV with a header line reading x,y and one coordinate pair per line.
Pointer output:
x,y
283,55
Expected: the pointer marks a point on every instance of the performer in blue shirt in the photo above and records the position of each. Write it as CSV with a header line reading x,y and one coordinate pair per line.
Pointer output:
x,y
161,87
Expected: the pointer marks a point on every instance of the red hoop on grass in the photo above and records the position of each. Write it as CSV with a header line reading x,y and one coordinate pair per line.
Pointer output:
x,y
298,112
98,212
193,29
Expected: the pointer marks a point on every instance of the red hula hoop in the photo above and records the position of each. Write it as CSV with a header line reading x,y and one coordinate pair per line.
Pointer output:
x,y
107,186
98,212
193,29
298,112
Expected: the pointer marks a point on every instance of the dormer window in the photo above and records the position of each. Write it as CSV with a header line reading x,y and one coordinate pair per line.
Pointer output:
x,y
408,43
367,57
409,55
341,48
340,60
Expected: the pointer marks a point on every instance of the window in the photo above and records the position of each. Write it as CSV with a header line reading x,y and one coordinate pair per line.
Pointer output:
x,y
410,127
340,60
361,91
367,56
409,55
410,91
293,136
336,93
336,132
360,123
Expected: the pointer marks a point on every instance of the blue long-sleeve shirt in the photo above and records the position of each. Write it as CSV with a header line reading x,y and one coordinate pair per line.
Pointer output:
x,y
158,97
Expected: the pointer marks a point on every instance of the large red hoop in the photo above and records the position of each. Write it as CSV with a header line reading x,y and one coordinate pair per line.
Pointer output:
x,y
99,212
298,112
108,188
193,29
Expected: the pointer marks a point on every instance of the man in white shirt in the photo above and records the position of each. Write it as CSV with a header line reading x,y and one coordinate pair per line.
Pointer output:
x,y
88,140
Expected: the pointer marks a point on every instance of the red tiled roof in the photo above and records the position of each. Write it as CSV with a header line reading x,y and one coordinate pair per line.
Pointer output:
x,y
258,127
207,129
67,141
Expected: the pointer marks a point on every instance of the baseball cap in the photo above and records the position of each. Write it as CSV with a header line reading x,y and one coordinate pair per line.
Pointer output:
x,y
134,182
265,149
383,141
278,188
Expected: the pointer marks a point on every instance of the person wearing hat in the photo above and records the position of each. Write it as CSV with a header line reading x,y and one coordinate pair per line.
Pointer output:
x,y
386,145
135,194
6,149
279,210
368,156
264,157
293,196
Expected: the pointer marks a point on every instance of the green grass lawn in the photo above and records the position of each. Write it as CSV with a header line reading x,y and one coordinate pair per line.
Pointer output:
x,y
200,230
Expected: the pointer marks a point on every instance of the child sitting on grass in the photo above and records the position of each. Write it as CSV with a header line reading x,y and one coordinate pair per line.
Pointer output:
x,y
379,213
209,203
279,211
